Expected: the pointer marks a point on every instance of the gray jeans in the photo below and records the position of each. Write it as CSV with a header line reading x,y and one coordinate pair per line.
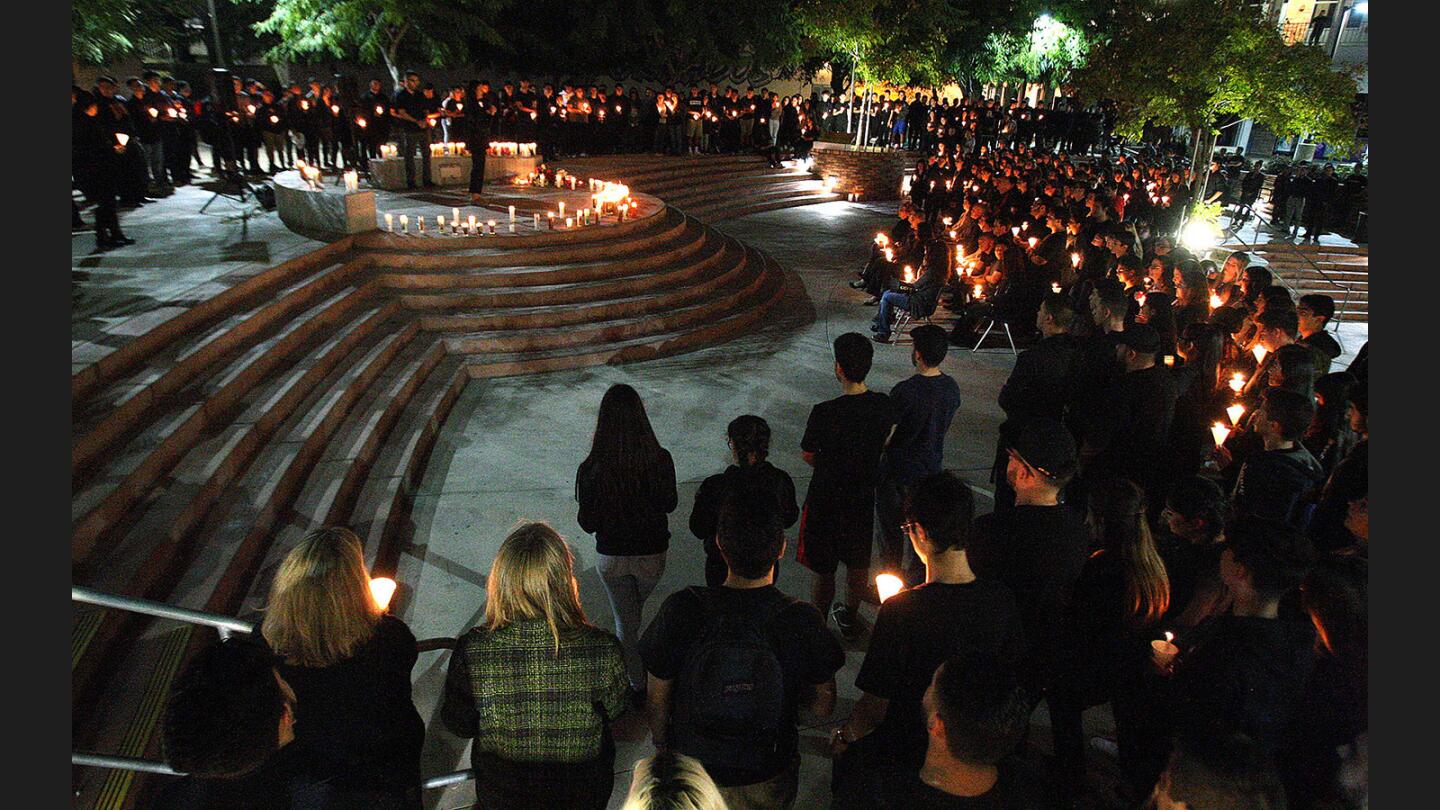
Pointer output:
x,y
155,162
629,581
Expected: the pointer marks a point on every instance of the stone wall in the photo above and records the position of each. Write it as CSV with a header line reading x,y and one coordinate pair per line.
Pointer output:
x,y
874,175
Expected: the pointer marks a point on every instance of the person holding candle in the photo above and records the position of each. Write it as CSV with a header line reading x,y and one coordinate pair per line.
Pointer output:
x,y
1119,599
98,153
1274,484
356,728
1244,669
921,298
1313,314
1190,538
952,613
410,110
536,685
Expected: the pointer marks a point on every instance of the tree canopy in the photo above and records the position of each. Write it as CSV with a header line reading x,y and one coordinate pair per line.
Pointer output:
x,y
1193,62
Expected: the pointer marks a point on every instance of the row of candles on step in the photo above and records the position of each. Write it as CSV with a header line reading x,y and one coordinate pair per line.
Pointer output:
x,y
511,149
474,227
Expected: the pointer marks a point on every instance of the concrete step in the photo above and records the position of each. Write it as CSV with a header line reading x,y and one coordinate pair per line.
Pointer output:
x,y
776,205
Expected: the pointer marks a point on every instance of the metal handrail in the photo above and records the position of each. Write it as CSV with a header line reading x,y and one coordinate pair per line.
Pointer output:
x,y
1269,246
225,624
90,760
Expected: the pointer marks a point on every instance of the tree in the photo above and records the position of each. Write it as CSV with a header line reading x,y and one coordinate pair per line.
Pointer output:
x,y
1194,62
439,31
1047,53
106,30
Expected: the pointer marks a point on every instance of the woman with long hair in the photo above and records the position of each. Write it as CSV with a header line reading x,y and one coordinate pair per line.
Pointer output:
x,y
1122,593
1192,295
626,489
536,685
357,733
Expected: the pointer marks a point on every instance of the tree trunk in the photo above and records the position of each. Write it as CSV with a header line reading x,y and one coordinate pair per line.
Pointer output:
x,y
1203,138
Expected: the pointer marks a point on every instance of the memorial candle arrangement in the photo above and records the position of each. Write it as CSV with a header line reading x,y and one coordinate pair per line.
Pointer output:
x,y
510,149
447,149
389,150
352,181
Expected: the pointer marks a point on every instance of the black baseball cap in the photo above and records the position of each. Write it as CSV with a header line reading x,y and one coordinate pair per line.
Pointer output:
x,y
1046,445
1141,337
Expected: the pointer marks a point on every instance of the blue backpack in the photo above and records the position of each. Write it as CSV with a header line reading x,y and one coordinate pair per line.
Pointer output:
x,y
730,693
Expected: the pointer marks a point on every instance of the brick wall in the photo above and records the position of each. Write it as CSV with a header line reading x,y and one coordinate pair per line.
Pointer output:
x,y
874,175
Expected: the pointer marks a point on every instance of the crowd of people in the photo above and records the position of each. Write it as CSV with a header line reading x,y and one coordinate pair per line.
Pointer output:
x,y
1179,527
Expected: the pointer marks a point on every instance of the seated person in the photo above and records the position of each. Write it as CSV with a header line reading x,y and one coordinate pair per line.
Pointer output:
x,y
905,247
920,298
1015,298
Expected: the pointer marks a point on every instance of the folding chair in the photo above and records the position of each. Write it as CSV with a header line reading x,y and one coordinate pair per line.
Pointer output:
x,y
988,328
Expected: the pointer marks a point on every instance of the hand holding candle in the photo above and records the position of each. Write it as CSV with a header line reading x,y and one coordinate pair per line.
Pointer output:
x,y
887,585
1163,651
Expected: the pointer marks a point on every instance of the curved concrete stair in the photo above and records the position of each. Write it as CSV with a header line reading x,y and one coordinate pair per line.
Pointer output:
x,y
1339,271
314,396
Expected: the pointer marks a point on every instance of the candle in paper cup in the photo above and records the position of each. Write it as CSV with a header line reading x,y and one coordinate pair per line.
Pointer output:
x,y
1219,433
440,222
1169,359
909,274
383,589
1163,650
1033,242
979,290
405,223
472,223
491,225
390,222
122,138
1235,412
887,585
562,208
569,222
1237,382
455,214
1055,286
1259,352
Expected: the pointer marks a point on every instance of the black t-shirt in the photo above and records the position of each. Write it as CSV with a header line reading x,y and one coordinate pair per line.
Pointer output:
x,y
847,435
1019,787
808,654
1038,552
355,722
915,632
924,407
416,105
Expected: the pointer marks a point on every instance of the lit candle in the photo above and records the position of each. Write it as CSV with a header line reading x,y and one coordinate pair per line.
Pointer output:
x,y
455,215
1235,412
1163,651
550,219
1215,301
887,585
472,224
1055,286
512,213
1025,226
1237,382
569,222
1075,260
512,226
1033,242
491,226
383,590
1219,432
909,274
1259,352
440,223
562,208
405,223
1015,232
1169,359
979,290
390,222
537,222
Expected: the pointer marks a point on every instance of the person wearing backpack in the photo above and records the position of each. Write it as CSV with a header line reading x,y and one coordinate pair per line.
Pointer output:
x,y
731,666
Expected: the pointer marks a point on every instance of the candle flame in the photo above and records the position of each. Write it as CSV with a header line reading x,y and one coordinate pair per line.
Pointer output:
x,y
1215,301
383,589
887,585
1169,637
1235,412
1259,352
1219,432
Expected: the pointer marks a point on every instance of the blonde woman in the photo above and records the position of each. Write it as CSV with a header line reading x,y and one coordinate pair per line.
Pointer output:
x,y
671,781
357,733
536,685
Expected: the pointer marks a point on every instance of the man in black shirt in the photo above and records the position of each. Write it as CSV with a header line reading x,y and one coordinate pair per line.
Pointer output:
x,y
1128,434
1276,483
1226,770
1038,548
409,110
1313,314
975,717
1038,386
843,440
753,759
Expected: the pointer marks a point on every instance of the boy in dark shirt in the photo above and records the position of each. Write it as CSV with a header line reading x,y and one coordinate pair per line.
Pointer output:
x,y
843,440
951,614
975,717
1313,314
924,404
1038,548
1273,484
1127,436
749,440
751,540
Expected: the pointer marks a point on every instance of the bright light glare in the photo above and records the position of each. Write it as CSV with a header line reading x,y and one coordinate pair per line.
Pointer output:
x,y
1199,236
1362,8
887,585
383,589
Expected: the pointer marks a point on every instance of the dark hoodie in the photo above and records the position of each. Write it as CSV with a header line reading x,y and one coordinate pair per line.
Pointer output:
x,y
705,517
1273,484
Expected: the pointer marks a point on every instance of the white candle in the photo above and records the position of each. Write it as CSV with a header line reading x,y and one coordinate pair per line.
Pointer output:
x,y
405,223
439,222
512,213
455,214
1237,382
491,225
887,585
562,208
569,222
512,227
472,224
537,222
390,222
